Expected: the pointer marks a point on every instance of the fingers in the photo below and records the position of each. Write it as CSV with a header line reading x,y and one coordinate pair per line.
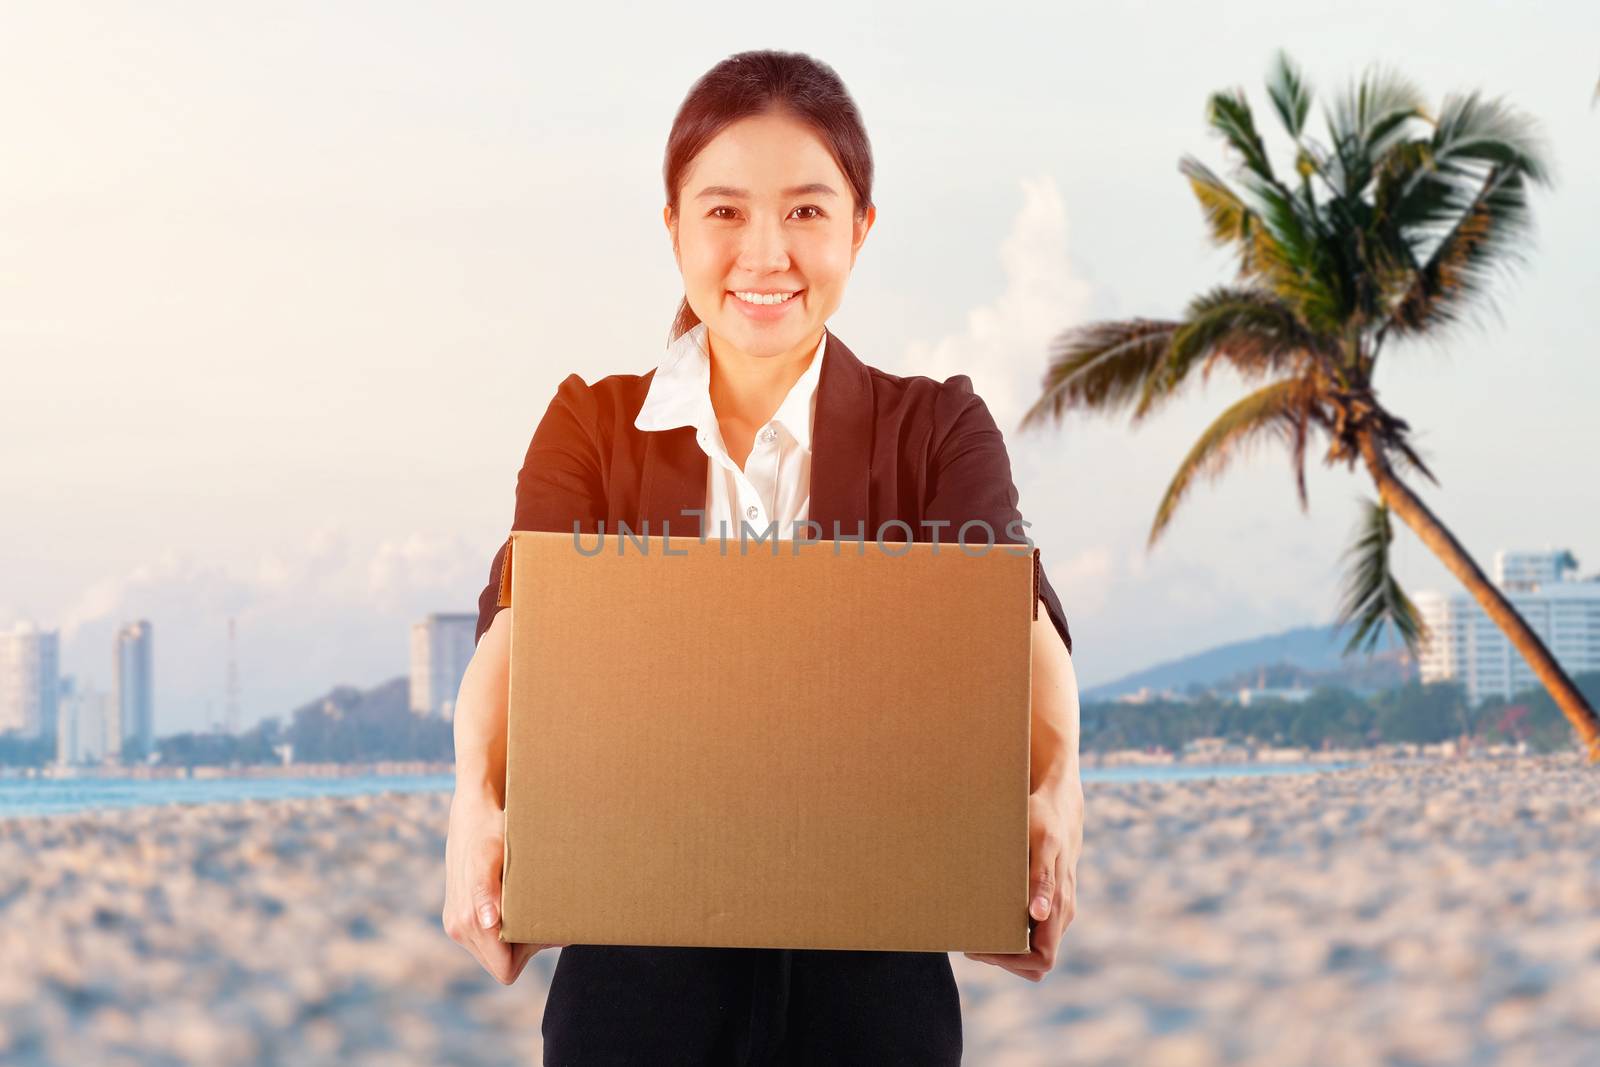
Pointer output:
x,y
1047,935
471,944
499,959
474,856
504,960
520,955
1044,936
1044,855
486,883
1007,962
516,959
492,954
1043,879
485,908
1044,894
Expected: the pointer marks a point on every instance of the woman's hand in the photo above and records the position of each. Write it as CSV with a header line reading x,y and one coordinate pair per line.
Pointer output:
x,y
473,854
1055,839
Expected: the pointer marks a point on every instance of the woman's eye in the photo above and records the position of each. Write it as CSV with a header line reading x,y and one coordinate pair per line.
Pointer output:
x,y
713,213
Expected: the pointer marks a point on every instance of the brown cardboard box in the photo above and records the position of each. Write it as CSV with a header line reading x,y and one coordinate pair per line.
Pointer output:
x,y
804,744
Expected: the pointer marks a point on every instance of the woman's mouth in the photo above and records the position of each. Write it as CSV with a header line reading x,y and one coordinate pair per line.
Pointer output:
x,y
764,306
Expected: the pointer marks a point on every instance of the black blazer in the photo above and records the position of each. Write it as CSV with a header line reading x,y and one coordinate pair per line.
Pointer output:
x,y
883,447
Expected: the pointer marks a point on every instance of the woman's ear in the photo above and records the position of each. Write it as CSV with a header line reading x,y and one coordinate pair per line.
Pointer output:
x,y
672,230
862,225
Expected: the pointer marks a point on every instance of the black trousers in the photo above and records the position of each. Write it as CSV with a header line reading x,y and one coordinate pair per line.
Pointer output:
x,y
721,1007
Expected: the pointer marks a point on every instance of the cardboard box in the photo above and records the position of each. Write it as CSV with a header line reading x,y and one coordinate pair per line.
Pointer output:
x,y
803,744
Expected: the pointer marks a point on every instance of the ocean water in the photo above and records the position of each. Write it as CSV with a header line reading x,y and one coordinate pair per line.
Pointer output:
x,y
48,796
1185,772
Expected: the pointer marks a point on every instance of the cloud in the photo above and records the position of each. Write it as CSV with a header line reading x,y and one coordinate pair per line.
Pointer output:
x,y
1087,497
1004,348
1006,341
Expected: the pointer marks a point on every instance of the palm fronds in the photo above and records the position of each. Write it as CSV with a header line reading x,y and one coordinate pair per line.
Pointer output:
x,y
1102,366
1398,223
1284,409
1371,595
1289,93
1463,214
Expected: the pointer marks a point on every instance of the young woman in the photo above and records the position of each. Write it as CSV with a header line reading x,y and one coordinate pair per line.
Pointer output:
x,y
759,414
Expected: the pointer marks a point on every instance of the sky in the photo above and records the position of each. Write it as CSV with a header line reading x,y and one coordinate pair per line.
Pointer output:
x,y
285,288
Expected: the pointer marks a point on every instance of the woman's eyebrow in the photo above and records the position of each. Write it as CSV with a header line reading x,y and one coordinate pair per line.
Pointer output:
x,y
810,189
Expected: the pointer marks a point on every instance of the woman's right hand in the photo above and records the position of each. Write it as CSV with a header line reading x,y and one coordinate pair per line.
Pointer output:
x,y
473,853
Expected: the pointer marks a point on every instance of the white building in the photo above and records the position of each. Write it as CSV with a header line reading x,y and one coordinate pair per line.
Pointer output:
x,y
441,648
1145,695
90,730
1465,646
29,678
1291,694
133,696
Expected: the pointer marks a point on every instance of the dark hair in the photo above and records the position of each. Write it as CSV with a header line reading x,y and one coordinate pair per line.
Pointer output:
x,y
756,83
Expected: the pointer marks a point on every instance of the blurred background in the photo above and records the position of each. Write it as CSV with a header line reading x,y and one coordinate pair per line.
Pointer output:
x,y
285,288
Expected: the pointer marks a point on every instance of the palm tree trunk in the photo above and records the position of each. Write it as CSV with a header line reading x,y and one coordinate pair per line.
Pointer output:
x,y
1410,507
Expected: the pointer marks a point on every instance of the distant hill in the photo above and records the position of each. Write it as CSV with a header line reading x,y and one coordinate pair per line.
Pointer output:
x,y
389,700
350,724
1307,656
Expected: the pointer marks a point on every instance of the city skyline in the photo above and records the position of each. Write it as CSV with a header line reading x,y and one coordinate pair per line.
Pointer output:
x,y
1547,586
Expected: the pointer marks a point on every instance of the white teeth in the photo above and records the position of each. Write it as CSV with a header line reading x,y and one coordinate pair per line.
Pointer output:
x,y
757,298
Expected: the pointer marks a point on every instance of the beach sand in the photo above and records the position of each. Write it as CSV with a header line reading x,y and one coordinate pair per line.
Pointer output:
x,y
1437,913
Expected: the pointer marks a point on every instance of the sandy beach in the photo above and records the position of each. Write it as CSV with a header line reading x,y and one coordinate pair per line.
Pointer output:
x,y
1439,913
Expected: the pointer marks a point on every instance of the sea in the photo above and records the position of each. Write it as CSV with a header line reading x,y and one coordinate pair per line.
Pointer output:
x,y
25,796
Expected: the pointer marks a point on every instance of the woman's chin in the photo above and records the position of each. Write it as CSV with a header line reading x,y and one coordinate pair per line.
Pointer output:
x,y
761,338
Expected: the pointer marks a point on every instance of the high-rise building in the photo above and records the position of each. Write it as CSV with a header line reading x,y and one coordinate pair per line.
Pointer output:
x,y
1465,645
131,674
1528,571
29,678
89,729
441,648
66,721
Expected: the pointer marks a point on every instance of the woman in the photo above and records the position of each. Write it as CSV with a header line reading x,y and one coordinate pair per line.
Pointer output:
x,y
759,414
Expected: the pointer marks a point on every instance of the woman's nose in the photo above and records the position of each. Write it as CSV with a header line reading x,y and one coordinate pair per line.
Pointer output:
x,y
765,248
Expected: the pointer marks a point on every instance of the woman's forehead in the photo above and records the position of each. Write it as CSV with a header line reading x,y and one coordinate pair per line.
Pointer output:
x,y
764,153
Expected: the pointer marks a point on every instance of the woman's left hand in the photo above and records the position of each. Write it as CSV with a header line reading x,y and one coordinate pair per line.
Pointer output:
x,y
1055,838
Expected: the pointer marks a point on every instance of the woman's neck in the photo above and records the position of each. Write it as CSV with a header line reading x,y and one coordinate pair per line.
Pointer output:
x,y
747,390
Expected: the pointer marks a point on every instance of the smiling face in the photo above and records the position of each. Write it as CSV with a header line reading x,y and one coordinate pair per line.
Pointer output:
x,y
765,209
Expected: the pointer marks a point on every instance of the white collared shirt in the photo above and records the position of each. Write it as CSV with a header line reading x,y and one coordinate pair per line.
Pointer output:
x,y
775,484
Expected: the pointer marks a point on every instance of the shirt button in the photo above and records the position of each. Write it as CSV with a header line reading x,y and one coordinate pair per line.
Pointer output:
x,y
769,434
751,512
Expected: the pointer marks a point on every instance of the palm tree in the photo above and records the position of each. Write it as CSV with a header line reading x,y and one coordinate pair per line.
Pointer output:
x,y
1393,230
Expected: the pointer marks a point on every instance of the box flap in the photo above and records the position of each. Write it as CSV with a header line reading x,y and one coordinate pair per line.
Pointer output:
x,y
503,595
1035,608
